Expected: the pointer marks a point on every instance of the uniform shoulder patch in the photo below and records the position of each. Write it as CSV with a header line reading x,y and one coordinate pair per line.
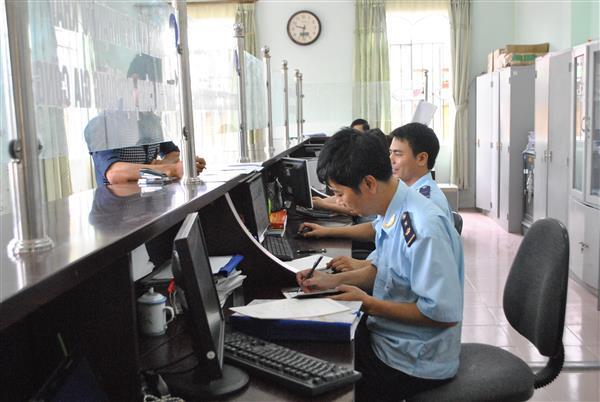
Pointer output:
x,y
425,190
409,233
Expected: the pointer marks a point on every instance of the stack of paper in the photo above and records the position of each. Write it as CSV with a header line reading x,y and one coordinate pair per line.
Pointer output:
x,y
290,319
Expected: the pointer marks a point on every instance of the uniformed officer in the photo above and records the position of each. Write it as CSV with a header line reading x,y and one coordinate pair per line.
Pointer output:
x,y
411,339
412,152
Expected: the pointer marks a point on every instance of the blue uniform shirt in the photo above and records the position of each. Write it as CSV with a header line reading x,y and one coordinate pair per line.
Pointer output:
x,y
429,188
430,273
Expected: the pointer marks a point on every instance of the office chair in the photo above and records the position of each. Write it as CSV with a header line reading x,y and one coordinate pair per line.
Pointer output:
x,y
458,221
534,303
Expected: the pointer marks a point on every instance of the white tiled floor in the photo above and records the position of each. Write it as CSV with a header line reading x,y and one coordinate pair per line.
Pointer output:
x,y
489,251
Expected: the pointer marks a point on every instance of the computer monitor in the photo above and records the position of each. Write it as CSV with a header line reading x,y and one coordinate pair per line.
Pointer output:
x,y
260,211
200,301
295,182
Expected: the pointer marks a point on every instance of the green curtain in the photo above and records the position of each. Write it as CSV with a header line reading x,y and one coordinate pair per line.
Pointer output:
x,y
245,15
459,12
371,95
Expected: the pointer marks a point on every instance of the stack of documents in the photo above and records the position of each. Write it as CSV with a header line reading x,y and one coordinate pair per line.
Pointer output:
x,y
225,285
292,319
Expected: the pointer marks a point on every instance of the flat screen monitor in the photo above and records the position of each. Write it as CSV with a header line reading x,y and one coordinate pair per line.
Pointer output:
x,y
200,301
295,182
260,209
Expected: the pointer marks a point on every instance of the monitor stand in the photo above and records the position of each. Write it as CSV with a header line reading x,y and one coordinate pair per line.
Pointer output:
x,y
188,387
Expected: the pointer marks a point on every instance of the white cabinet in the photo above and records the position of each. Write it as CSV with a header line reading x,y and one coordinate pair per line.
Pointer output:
x,y
584,183
551,172
510,99
584,239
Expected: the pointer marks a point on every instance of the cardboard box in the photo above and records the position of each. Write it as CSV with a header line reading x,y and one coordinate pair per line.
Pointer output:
x,y
522,55
539,48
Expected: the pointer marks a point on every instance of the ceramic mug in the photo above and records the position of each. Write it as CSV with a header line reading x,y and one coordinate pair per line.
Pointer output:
x,y
152,313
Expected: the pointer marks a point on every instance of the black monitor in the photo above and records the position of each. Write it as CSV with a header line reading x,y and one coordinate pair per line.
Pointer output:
x,y
200,301
294,179
260,211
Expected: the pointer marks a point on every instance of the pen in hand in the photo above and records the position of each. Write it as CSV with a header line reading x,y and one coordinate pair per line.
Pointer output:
x,y
312,270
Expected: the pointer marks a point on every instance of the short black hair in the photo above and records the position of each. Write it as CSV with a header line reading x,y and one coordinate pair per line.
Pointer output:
x,y
348,156
361,122
421,138
386,139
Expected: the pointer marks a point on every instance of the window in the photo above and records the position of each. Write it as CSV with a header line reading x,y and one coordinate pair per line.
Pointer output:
x,y
214,84
419,43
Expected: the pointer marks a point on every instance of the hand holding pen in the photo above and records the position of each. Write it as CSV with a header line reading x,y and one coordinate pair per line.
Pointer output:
x,y
312,270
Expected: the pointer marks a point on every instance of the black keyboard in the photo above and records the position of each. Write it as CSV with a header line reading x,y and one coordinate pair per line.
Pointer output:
x,y
294,370
315,213
279,247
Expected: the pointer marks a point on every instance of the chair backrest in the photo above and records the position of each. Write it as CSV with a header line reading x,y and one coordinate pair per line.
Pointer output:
x,y
458,221
535,294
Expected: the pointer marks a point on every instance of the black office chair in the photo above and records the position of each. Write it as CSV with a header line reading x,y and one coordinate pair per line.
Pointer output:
x,y
534,303
458,221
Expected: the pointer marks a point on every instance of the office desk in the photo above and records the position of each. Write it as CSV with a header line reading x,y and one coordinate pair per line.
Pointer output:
x,y
83,288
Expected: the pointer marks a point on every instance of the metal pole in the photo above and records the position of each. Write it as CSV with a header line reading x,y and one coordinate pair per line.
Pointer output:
x,y
28,197
238,33
267,60
185,90
286,106
299,96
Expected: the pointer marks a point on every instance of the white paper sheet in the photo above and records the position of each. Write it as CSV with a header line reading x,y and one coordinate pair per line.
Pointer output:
x,y
291,308
300,264
424,112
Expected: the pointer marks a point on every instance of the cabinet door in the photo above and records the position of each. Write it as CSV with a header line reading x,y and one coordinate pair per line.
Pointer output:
x,y
578,122
592,129
591,252
542,104
558,137
576,237
484,143
495,142
504,146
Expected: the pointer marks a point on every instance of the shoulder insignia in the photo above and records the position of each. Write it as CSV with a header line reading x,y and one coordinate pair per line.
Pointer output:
x,y
409,233
425,190
391,222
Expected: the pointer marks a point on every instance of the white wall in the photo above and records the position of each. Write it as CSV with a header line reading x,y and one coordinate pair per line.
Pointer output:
x,y
326,65
544,22
492,26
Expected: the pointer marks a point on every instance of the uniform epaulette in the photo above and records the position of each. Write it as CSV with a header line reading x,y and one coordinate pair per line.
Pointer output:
x,y
409,233
425,190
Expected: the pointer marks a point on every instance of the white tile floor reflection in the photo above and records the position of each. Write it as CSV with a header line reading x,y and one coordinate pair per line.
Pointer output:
x,y
489,252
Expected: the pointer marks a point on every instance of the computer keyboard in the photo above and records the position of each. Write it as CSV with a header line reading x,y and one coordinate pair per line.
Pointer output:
x,y
294,370
279,247
315,213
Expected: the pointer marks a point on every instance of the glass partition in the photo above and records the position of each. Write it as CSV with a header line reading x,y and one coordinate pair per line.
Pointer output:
x,y
6,114
105,74
256,106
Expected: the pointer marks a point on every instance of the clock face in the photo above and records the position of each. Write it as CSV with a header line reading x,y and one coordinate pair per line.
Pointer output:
x,y
304,27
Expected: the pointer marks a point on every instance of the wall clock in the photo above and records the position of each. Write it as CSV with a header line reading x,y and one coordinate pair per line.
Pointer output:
x,y
304,27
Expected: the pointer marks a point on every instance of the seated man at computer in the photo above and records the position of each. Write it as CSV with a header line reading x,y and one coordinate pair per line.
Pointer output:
x,y
413,151
329,203
410,341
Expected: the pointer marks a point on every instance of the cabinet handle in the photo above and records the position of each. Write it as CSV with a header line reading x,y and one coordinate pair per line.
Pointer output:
x,y
583,246
584,124
550,156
